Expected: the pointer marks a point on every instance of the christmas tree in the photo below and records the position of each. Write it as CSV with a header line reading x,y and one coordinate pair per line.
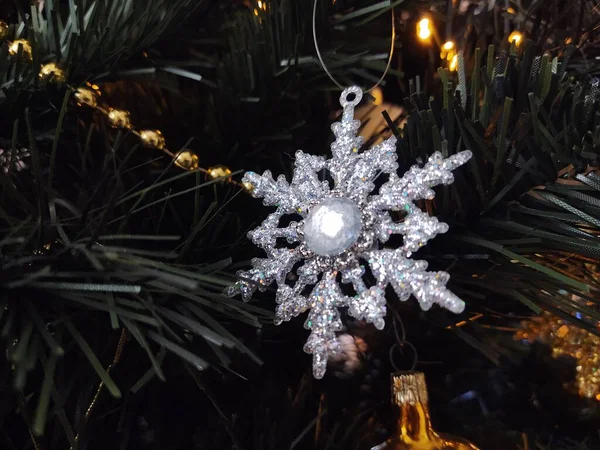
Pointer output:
x,y
125,133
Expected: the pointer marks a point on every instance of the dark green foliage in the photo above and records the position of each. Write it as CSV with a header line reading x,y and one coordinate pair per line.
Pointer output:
x,y
95,237
88,38
525,217
99,235
79,262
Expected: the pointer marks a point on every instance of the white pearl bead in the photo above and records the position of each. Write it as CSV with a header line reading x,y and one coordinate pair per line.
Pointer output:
x,y
332,226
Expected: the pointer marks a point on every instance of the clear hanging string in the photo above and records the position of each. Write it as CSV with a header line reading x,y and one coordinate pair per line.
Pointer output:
x,y
329,74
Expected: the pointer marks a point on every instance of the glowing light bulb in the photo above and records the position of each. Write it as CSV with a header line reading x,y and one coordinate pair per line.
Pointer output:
x,y
424,29
448,46
448,51
453,63
515,37
260,4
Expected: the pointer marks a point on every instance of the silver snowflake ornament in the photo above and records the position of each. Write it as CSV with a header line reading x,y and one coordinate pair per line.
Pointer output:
x,y
342,226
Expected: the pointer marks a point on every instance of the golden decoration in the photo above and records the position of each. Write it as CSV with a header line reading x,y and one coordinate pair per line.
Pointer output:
x,y
187,160
248,187
119,118
3,30
424,29
218,172
414,430
85,96
53,72
13,48
516,37
153,139
571,341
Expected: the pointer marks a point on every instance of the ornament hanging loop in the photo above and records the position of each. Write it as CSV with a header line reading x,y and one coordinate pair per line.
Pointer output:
x,y
330,75
350,98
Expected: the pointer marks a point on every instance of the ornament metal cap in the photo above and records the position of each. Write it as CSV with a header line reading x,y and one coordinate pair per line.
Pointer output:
x,y
414,430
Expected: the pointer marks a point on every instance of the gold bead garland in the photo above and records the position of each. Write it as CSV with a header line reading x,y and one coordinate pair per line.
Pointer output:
x,y
248,187
571,341
85,96
118,118
153,139
219,171
187,160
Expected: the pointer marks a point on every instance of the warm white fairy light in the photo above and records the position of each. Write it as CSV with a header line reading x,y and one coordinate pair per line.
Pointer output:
x,y
516,37
424,30
453,65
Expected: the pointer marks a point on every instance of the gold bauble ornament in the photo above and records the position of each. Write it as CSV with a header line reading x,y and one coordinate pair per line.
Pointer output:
x,y
52,72
13,48
119,118
3,30
571,341
85,96
153,139
414,431
219,172
248,187
187,160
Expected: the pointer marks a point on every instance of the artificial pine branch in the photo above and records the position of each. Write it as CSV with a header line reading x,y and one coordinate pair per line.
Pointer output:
x,y
526,216
85,255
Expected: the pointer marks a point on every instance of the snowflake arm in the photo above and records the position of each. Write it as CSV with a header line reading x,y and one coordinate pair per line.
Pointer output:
x,y
416,184
274,192
265,236
265,272
323,322
418,228
367,166
409,277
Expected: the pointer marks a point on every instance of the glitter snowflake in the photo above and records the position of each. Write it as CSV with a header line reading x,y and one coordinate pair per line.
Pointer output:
x,y
343,226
